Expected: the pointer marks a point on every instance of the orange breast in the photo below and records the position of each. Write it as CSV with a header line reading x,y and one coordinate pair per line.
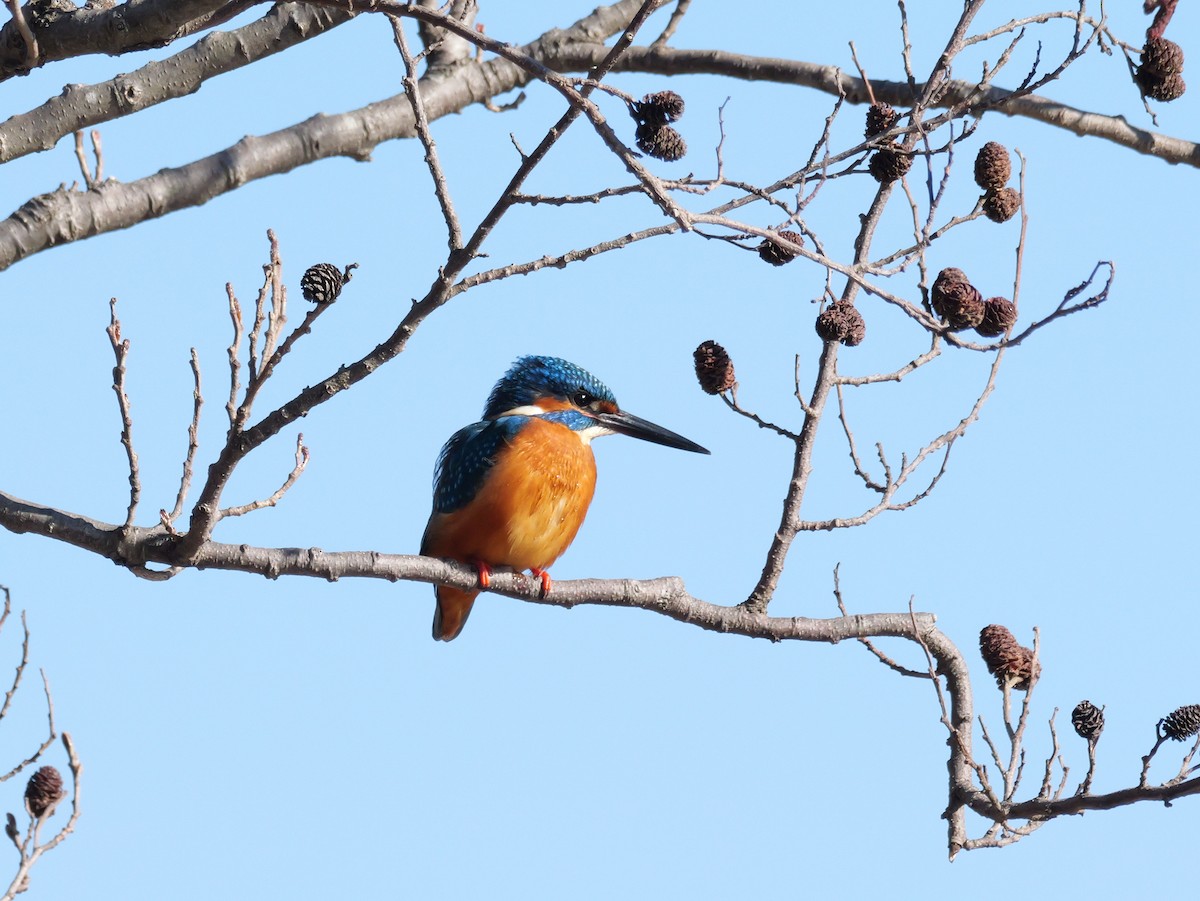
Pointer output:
x,y
529,507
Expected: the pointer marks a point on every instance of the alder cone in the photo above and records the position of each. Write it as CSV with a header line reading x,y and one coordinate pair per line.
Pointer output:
x,y
661,142
659,108
842,322
881,117
1006,659
714,369
44,790
888,165
1160,76
999,315
1088,720
1181,723
1001,205
993,168
776,254
321,283
956,300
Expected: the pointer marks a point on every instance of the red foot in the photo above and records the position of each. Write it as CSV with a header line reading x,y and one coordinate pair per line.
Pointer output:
x,y
545,577
485,574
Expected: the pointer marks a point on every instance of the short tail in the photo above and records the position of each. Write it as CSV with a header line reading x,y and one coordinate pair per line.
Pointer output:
x,y
453,608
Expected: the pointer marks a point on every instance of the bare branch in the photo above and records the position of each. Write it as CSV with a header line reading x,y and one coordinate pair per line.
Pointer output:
x,y
53,730
111,30
234,354
121,352
16,683
781,541
412,90
32,52
301,462
80,106
1086,785
731,401
193,445
677,14
572,56
870,646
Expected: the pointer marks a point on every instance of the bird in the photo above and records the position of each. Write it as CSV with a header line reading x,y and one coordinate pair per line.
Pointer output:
x,y
513,489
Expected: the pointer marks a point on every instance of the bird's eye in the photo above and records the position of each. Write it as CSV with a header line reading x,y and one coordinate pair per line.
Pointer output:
x,y
582,398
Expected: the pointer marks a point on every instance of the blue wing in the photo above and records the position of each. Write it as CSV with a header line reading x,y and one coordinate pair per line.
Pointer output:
x,y
466,459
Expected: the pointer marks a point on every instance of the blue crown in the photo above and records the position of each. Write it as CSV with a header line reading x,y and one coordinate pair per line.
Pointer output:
x,y
533,377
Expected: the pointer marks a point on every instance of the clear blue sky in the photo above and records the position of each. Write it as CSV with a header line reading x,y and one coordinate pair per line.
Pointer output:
x,y
247,738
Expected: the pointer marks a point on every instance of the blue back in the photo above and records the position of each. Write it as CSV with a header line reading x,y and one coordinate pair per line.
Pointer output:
x,y
471,452
466,459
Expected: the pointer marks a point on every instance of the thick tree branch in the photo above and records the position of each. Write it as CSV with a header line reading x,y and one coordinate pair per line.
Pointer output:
x,y
132,25
84,105
137,547
786,532
66,215
665,595
573,56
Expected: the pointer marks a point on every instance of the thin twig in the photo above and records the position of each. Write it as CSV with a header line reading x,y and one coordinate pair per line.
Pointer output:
x,y
234,353
1185,767
421,122
81,157
731,401
302,456
121,352
98,152
862,73
277,317
260,317
168,519
16,683
53,731
269,366
91,180
668,32
1143,781
870,645
1054,753
32,53
1085,786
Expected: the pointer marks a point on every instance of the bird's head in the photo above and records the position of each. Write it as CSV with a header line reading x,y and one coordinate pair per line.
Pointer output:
x,y
535,386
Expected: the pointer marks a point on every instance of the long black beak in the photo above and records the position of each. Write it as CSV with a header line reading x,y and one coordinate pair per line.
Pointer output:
x,y
636,427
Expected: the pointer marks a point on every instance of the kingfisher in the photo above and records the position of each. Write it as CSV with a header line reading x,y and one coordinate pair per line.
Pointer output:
x,y
513,489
